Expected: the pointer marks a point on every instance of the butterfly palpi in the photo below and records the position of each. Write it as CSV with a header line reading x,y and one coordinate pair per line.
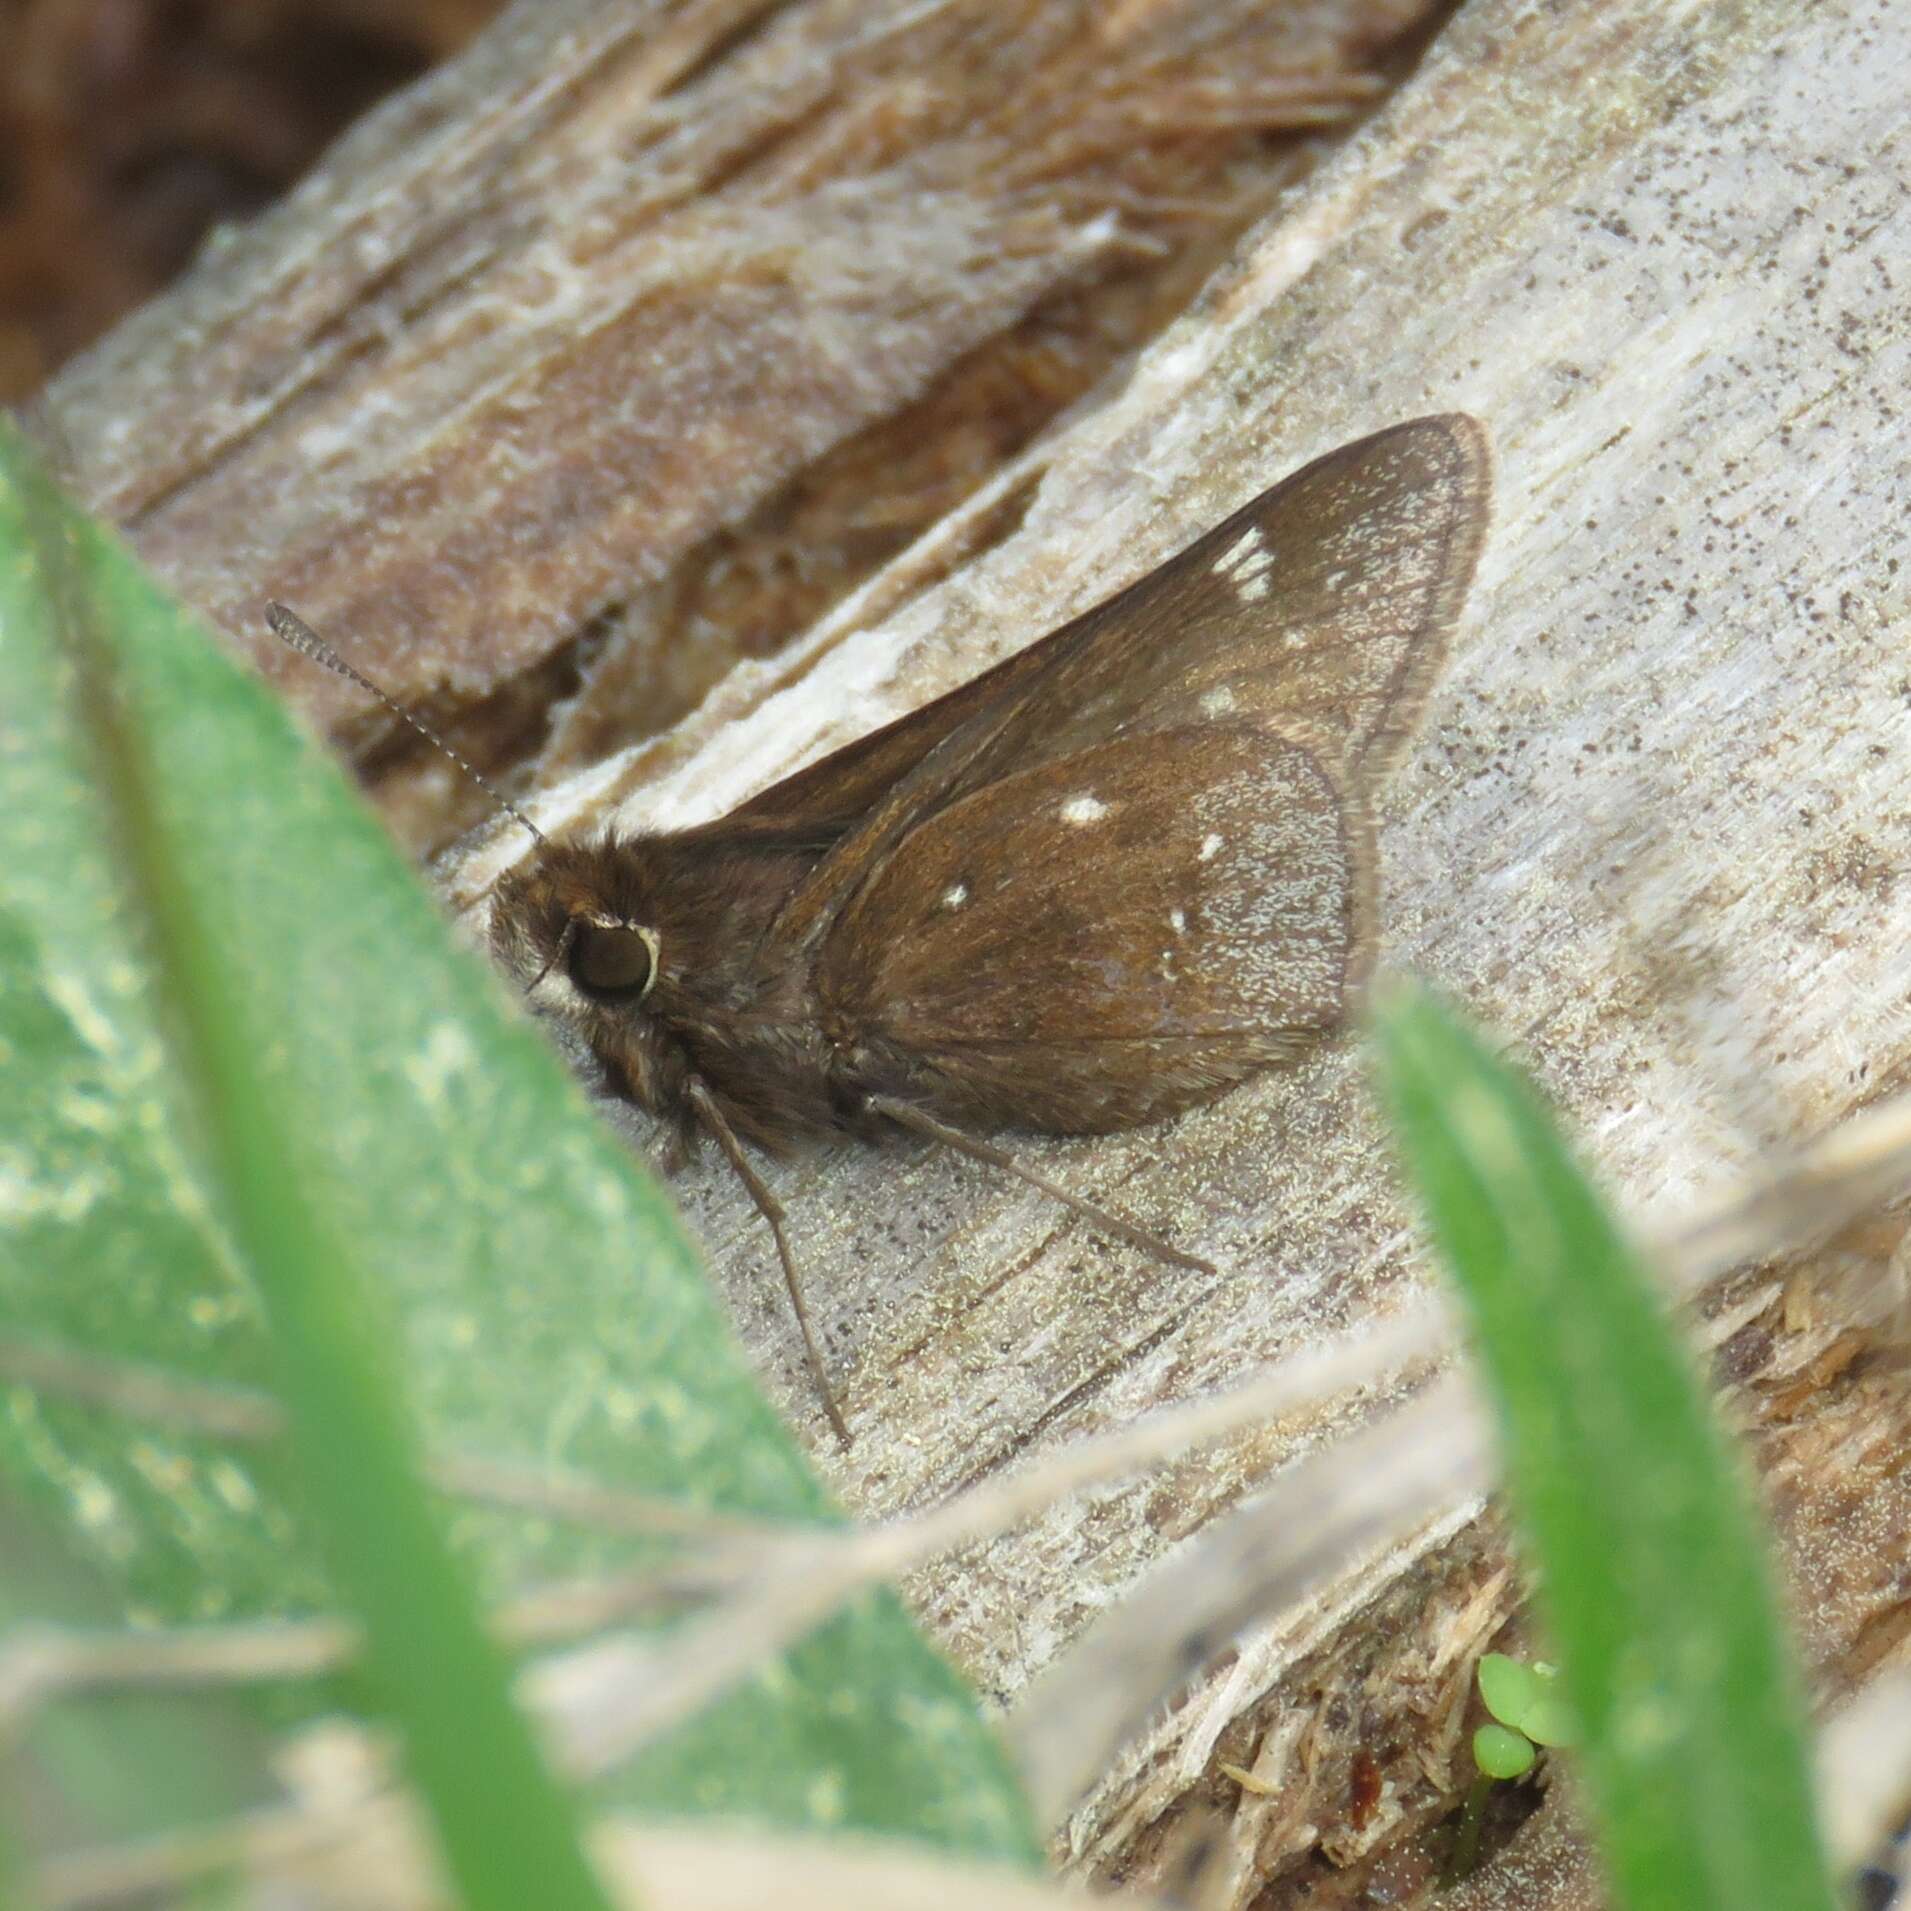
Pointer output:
x,y
1098,884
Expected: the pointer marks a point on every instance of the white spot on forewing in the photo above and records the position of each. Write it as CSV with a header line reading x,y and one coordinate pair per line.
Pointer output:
x,y
1246,556
1217,702
1210,847
1178,921
955,895
1246,563
1084,809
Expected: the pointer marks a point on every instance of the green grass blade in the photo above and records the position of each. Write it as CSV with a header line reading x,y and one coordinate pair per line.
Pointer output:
x,y
1651,1570
526,1279
508,1831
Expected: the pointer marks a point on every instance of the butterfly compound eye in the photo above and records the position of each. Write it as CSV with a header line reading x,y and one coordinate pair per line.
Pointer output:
x,y
613,958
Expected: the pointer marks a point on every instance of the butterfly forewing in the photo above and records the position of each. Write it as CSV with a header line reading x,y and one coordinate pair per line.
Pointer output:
x,y
1322,607
1321,610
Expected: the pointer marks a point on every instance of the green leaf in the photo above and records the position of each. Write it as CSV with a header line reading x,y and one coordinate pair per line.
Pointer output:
x,y
509,1832
1501,1752
1650,1563
1527,1697
1508,1687
1550,1720
526,1283
90,1768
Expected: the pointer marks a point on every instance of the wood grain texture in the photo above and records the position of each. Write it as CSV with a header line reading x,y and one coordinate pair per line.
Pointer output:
x,y
1654,831
567,367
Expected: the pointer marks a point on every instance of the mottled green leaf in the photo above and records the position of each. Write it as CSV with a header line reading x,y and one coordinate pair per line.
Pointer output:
x,y
535,1296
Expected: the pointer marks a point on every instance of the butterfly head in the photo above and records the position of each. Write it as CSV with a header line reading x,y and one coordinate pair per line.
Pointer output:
x,y
575,925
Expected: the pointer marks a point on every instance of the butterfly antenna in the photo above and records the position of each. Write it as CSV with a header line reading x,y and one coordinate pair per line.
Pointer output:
x,y
292,629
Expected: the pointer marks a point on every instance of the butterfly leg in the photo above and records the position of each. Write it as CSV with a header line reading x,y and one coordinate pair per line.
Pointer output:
x,y
771,1209
906,1115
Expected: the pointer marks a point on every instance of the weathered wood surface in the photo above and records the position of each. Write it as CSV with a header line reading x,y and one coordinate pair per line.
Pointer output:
x,y
617,348
1655,829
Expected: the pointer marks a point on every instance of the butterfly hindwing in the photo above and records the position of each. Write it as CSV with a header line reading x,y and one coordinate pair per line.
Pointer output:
x,y
1198,892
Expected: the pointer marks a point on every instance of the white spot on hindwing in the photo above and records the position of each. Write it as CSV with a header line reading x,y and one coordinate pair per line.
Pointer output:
x,y
1083,809
1178,921
1217,702
955,895
1210,847
1246,564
